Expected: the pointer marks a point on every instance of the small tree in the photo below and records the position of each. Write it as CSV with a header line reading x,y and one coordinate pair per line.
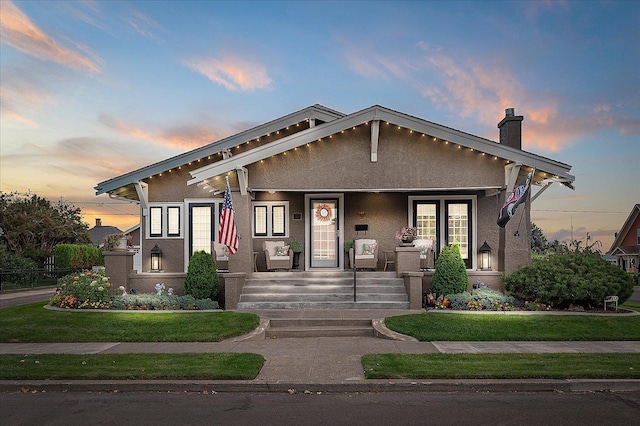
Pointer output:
x,y
450,276
538,240
31,226
202,276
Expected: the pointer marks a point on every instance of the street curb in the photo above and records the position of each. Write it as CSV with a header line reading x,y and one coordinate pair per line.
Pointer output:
x,y
424,386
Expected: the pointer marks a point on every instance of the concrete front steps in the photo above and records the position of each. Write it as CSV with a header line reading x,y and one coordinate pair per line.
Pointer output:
x,y
286,328
323,290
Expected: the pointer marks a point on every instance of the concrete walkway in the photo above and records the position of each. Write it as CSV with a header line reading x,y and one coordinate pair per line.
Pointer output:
x,y
332,362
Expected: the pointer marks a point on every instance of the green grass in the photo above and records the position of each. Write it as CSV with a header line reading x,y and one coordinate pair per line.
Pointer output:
x,y
428,327
33,323
214,366
502,366
634,306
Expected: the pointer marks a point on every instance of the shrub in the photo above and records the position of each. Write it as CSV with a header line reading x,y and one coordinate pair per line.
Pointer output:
x,y
163,302
564,277
202,277
10,261
459,301
77,256
84,290
482,298
450,276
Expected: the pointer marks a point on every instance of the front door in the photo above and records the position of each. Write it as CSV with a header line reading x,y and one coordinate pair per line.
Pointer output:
x,y
325,232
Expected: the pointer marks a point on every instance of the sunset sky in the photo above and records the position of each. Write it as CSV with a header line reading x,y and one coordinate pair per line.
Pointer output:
x,y
91,90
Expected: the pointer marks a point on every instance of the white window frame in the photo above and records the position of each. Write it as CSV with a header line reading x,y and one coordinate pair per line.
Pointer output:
x,y
164,215
269,205
443,214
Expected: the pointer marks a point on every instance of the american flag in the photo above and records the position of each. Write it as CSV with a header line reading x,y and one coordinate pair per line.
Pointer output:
x,y
228,234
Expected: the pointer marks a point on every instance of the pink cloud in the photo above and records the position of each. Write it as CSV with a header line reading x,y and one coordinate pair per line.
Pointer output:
x,y
17,30
143,25
181,137
23,91
232,72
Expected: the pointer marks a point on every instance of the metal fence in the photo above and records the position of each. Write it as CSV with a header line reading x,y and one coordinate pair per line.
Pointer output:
x,y
31,278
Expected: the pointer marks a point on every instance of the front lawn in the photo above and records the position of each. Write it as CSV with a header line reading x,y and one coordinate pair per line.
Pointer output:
x,y
502,366
429,327
33,323
196,366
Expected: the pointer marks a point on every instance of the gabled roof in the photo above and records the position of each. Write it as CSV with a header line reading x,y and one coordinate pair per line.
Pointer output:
x,y
324,122
620,236
124,182
556,170
97,233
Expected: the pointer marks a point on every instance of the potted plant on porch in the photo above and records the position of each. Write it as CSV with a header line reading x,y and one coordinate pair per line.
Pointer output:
x,y
296,247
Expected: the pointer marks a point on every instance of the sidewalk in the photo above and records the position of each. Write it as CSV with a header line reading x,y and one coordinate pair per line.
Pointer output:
x,y
326,363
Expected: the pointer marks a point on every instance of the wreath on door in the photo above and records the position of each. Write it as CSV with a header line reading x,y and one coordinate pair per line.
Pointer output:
x,y
323,212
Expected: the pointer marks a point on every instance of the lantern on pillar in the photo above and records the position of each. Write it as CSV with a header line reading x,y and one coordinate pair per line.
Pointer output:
x,y
156,259
485,257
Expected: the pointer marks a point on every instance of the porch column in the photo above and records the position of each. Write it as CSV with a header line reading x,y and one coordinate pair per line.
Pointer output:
x,y
233,284
118,264
242,260
413,286
407,260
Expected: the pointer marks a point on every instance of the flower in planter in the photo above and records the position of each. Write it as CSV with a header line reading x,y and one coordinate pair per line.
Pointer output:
x,y
112,241
407,234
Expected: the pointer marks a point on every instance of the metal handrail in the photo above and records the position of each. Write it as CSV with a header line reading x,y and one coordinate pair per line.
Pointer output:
x,y
353,245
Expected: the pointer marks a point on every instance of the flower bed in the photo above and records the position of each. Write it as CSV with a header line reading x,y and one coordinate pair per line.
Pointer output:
x,y
92,290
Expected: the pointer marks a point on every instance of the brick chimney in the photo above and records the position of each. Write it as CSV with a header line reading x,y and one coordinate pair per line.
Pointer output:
x,y
511,129
98,222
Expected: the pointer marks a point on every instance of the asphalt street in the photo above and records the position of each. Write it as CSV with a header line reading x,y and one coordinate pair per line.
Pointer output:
x,y
311,408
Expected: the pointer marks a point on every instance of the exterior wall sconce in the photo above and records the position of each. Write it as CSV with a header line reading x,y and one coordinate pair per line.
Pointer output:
x,y
156,259
485,257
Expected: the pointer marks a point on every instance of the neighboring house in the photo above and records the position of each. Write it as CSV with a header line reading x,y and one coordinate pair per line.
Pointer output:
x,y
322,177
98,232
134,233
626,246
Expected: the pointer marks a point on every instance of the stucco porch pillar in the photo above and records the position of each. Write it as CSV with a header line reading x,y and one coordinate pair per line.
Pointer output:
x,y
407,260
242,260
118,264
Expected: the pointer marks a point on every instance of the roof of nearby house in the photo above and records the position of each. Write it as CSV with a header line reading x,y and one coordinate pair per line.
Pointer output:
x,y
327,122
97,233
132,229
621,235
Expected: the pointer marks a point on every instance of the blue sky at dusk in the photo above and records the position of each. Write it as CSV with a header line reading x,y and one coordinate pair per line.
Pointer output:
x,y
91,90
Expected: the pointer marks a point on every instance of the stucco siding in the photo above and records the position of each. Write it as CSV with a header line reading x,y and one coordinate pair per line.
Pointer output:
x,y
405,160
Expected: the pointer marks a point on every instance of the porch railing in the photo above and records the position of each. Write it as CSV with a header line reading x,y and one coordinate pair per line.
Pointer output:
x,y
354,271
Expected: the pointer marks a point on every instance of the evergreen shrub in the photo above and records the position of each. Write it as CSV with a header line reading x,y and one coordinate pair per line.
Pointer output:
x,y
564,277
202,280
482,299
450,274
11,261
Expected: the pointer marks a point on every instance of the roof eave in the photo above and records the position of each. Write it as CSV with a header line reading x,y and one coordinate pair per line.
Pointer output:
x,y
560,170
316,111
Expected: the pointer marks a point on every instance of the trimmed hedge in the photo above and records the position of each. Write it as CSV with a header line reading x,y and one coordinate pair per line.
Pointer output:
x,y
77,256
450,276
564,277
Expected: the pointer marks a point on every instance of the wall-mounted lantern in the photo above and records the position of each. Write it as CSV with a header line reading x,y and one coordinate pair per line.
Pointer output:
x,y
156,259
485,257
